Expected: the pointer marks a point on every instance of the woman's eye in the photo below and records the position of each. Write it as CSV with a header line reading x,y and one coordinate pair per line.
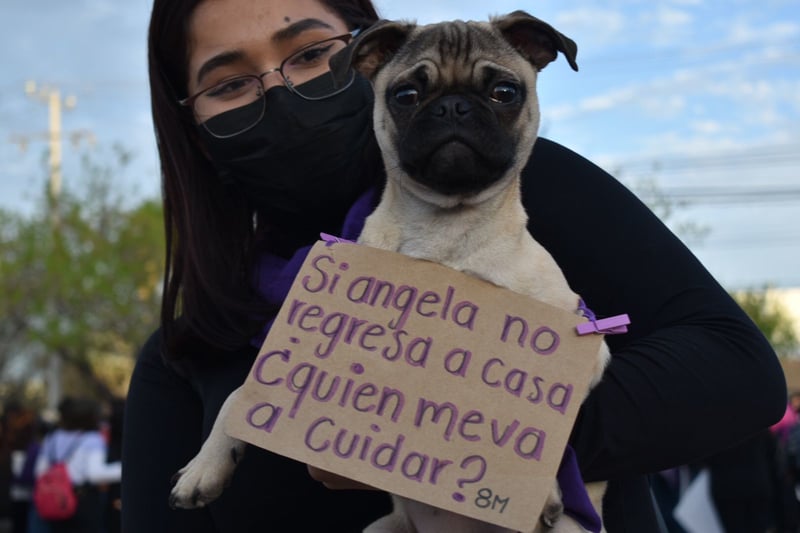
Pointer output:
x,y
504,92
231,88
311,56
406,96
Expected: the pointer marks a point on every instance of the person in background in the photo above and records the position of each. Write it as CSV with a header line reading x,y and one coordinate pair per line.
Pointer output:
x,y
31,522
668,487
787,431
260,152
794,401
18,436
79,442
784,426
113,503
746,485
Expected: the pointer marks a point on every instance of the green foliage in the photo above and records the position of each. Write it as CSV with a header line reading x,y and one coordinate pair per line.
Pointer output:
x,y
771,318
80,278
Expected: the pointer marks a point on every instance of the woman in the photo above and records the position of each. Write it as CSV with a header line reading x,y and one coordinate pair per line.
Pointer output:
x,y
79,443
255,168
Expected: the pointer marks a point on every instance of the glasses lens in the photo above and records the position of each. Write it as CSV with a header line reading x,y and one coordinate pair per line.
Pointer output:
x,y
230,107
235,121
308,71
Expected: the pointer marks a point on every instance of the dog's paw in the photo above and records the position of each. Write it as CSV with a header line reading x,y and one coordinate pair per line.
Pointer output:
x,y
551,513
198,485
393,523
204,478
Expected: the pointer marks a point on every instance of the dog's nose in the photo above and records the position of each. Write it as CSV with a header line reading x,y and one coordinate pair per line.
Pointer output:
x,y
453,106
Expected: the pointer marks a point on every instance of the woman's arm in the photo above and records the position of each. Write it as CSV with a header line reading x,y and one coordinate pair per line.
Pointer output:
x,y
167,416
42,461
693,374
162,431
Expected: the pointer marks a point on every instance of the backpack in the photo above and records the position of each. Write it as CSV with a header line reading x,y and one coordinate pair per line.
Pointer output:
x,y
53,493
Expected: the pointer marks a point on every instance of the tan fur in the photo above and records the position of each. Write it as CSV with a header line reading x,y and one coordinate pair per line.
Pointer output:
x,y
480,233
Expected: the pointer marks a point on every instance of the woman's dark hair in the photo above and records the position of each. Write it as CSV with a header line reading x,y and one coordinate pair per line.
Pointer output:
x,y
209,226
79,414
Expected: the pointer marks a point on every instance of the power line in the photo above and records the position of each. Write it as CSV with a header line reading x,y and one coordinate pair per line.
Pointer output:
x,y
758,156
724,195
763,241
642,175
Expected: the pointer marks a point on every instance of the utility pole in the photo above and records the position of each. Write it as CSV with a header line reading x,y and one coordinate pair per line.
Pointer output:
x,y
52,97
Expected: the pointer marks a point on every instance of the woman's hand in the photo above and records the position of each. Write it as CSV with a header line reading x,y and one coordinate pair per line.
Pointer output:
x,y
334,481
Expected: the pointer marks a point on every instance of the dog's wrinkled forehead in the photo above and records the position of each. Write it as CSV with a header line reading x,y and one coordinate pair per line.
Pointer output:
x,y
454,46
456,51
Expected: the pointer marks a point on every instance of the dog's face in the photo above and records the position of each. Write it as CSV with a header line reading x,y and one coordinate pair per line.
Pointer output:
x,y
456,112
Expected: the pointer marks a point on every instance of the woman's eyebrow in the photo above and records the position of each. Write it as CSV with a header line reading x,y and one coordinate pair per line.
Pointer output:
x,y
282,35
225,58
295,29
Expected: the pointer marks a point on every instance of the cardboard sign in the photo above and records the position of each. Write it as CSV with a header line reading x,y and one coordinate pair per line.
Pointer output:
x,y
419,380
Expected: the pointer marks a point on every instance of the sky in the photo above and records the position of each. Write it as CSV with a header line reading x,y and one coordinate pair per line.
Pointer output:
x,y
697,99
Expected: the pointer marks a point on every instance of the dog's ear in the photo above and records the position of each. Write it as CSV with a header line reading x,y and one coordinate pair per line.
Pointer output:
x,y
371,49
536,40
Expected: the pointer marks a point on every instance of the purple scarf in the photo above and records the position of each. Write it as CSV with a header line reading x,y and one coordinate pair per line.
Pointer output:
x,y
275,277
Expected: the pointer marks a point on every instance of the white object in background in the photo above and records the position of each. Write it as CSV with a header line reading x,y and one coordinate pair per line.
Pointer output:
x,y
695,510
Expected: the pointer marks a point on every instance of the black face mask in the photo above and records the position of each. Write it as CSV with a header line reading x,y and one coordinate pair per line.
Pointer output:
x,y
304,163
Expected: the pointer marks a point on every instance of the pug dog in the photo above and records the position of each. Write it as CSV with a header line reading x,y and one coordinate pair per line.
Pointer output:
x,y
456,116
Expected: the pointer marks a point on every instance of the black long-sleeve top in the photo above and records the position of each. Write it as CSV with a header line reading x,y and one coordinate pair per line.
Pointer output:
x,y
692,376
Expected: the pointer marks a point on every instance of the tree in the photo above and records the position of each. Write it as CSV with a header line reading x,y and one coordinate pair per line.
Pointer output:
x,y
81,281
648,190
665,208
771,318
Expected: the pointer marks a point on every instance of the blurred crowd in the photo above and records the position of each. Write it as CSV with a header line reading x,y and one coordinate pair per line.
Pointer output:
x,y
87,435
752,487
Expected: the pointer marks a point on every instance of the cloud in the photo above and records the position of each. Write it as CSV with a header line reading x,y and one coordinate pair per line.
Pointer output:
x,y
670,18
706,127
595,25
692,3
663,106
648,96
664,25
743,30
424,11
745,82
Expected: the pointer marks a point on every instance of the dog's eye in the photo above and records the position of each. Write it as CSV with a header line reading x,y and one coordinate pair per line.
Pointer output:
x,y
504,92
406,95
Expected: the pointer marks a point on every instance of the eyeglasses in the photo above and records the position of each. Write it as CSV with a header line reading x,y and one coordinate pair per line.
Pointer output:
x,y
237,104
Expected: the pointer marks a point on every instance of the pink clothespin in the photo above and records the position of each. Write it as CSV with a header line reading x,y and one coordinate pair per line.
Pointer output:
x,y
330,239
605,326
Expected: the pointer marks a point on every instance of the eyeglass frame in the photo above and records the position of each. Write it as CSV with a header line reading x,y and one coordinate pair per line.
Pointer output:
x,y
346,37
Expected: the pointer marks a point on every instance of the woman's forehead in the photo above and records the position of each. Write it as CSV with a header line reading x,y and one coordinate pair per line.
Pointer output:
x,y
216,22
221,26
